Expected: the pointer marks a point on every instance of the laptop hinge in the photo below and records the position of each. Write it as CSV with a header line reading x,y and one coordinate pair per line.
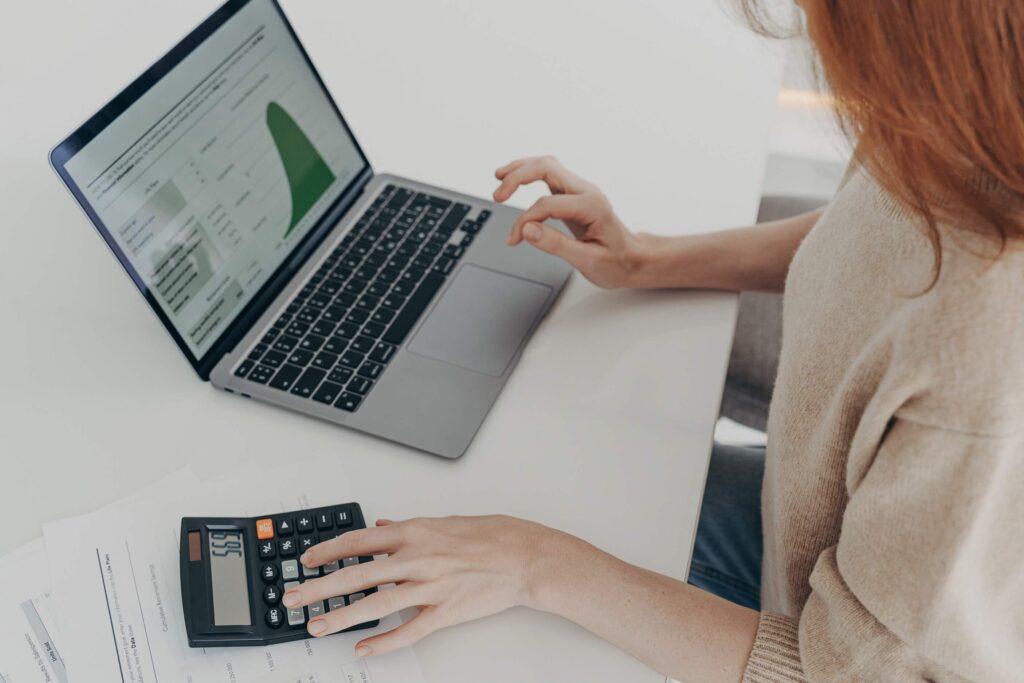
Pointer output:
x,y
252,312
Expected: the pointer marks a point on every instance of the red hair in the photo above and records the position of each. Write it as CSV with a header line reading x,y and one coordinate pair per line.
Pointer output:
x,y
932,94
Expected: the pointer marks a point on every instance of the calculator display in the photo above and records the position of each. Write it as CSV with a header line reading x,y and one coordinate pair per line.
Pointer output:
x,y
229,578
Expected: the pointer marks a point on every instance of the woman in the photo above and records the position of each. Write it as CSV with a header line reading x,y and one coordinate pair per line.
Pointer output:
x,y
894,477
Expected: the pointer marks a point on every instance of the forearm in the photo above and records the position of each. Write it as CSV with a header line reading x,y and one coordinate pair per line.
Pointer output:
x,y
755,258
674,628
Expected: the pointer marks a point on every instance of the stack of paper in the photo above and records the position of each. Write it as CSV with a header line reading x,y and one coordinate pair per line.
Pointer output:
x,y
98,597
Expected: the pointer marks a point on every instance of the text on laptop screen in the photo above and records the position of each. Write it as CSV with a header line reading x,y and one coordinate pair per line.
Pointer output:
x,y
213,176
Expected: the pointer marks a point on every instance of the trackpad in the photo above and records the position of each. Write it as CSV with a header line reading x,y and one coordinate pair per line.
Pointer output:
x,y
481,320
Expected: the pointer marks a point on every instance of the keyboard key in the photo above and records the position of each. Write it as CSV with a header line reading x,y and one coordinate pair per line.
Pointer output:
x,y
373,330
383,315
371,370
377,289
331,286
359,385
319,300
334,314
335,345
271,595
346,299
454,251
484,215
357,317
285,343
413,309
325,360
368,303
433,248
297,329
308,314
412,275
317,609
343,518
268,573
267,550
300,357
312,342
306,542
285,527
285,377
257,351
454,217
309,573
444,265
403,288
347,330
351,359
423,261
304,523
243,368
362,344
382,352
348,402
324,328
307,384
270,336
366,272
261,374
274,359
388,275
327,393
286,547
339,375
355,286
336,603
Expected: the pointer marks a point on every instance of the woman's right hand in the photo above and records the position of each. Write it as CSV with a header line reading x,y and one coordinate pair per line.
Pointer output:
x,y
602,248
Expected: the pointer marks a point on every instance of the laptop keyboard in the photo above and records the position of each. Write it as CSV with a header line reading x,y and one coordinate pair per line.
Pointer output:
x,y
337,336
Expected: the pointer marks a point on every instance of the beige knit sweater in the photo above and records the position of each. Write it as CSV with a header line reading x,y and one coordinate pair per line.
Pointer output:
x,y
893,497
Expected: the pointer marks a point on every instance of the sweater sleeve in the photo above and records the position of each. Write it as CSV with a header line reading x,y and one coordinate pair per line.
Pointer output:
x,y
926,582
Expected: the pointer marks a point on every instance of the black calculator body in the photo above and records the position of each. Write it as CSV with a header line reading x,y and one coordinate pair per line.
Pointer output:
x,y
235,570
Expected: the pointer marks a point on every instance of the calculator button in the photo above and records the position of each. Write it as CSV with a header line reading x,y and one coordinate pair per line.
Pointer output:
x,y
317,609
306,542
266,550
296,615
289,570
271,595
343,518
355,597
269,573
324,520
304,524
336,603
349,561
285,527
274,617
286,546
331,566
310,572
264,529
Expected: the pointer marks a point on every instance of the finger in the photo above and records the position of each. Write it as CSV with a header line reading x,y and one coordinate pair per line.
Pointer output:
x,y
503,171
372,607
412,631
571,207
385,522
558,179
548,239
352,579
375,541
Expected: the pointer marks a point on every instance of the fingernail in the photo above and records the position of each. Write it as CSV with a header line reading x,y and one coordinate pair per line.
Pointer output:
x,y
291,599
305,558
316,628
363,651
532,232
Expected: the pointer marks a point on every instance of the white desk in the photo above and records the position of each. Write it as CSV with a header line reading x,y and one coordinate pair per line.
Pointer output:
x,y
605,427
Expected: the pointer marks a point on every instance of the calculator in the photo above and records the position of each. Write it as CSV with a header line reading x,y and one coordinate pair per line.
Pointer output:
x,y
235,570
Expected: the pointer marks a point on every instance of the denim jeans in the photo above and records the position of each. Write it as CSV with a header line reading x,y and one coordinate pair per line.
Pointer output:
x,y
727,552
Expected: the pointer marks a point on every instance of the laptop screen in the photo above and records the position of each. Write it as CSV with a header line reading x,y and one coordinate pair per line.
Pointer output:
x,y
212,177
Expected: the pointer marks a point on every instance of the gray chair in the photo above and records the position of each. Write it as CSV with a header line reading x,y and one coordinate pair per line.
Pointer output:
x,y
754,361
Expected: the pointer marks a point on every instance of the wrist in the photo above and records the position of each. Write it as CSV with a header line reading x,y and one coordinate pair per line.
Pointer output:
x,y
642,260
555,558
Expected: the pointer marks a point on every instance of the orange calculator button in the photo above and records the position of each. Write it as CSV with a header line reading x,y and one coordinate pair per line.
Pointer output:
x,y
264,529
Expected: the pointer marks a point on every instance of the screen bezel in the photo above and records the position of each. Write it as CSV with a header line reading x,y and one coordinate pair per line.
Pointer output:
x,y
258,303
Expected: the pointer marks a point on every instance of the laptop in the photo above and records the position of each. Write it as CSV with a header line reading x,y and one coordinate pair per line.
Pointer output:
x,y
228,185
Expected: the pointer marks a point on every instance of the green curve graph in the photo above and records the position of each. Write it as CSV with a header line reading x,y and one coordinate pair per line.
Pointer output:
x,y
307,172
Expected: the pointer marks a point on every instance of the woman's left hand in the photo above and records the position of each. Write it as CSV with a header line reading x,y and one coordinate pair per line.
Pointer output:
x,y
454,569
